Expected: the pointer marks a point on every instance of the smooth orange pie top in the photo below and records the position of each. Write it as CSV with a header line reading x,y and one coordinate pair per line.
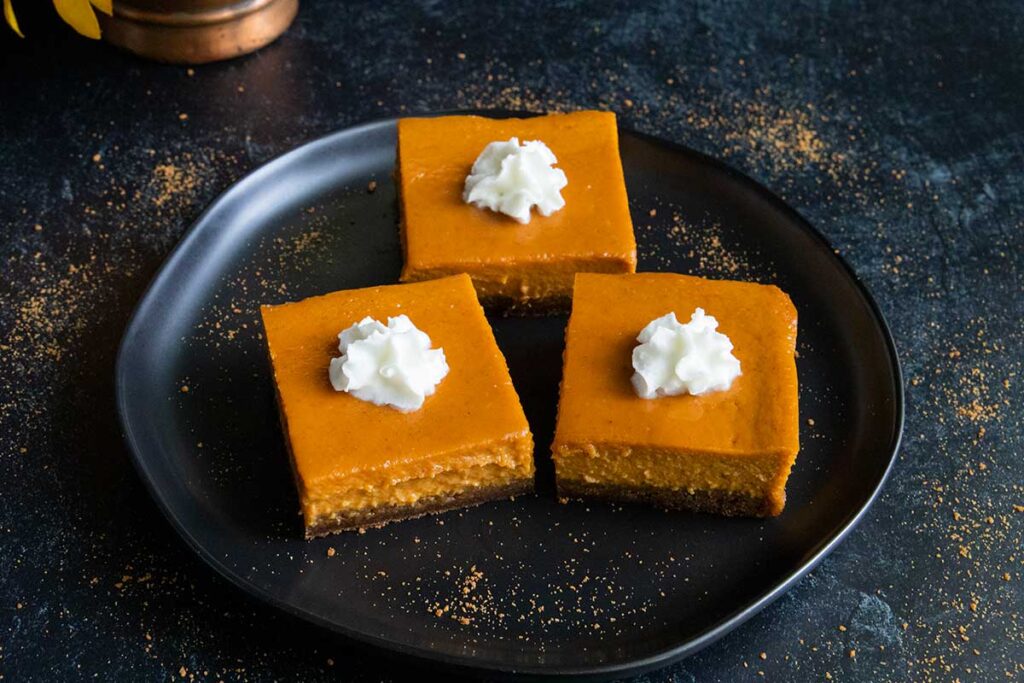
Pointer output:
x,y
742,439
444,234
349,452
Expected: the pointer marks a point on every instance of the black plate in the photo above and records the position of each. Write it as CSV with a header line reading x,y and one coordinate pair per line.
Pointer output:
x,y
531,585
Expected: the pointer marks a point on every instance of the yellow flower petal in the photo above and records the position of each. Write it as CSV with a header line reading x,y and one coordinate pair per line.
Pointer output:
x,y
79,15
105,6
12,20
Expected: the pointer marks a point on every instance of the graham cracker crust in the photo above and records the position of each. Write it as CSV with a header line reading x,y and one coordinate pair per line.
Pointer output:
x,y
727,503
381,515
510,306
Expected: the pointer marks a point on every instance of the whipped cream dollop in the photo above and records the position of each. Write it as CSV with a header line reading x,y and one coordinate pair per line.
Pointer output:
x,y
512,179
389,365
673,358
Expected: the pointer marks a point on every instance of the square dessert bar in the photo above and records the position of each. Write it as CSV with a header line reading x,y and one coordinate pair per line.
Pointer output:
x,y
359,464
515,267
727,452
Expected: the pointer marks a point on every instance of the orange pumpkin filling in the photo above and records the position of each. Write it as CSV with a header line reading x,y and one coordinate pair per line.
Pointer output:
x,y
358,464
728,452
514,267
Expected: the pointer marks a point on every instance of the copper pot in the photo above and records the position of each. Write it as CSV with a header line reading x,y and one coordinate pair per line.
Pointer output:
x,y
196,31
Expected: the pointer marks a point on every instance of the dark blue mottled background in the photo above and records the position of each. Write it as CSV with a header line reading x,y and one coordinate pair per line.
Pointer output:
x,y
896,128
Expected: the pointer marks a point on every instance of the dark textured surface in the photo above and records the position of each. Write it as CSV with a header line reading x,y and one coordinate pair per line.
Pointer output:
x,y
895,128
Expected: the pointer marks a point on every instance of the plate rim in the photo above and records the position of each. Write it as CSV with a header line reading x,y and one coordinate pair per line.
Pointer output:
x,y
659,659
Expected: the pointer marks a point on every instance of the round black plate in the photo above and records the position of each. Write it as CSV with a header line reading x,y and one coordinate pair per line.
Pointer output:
x,y
531,585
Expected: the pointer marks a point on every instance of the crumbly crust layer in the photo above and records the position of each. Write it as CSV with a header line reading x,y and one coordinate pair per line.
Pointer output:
x,y
716,502
506,300
510,306
350,520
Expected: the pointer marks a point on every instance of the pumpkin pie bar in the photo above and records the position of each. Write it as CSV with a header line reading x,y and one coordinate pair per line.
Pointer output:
x,y
726,452
360,464
525,268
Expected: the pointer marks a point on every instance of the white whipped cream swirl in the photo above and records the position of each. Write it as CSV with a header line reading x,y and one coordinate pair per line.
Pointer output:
x,y
511,178
392,365
673,358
